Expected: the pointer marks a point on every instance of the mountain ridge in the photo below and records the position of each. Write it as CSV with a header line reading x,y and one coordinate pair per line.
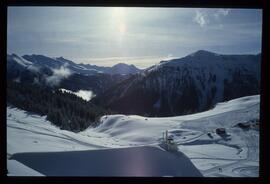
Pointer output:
x,y
84,69
179,86
186,85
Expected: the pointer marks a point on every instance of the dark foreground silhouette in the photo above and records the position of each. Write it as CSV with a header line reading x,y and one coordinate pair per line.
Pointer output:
x,y
133,161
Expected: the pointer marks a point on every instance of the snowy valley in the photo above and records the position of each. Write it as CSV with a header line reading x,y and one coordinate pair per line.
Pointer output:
x,y
32,139
135,91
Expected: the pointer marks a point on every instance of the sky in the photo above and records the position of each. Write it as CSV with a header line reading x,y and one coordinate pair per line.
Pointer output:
x,y
141,36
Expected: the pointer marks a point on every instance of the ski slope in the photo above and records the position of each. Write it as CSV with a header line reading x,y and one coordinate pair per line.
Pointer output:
x,y
214,156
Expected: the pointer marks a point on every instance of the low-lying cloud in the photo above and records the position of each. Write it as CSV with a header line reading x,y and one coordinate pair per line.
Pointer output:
x,y
84,94
58,75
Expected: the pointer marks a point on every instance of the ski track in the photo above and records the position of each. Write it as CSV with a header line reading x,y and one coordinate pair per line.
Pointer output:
x,y
216,158
81,142
185,122
190,140
246,171
237,166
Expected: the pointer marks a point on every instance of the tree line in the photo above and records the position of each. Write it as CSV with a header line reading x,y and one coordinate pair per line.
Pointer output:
x,y
65,110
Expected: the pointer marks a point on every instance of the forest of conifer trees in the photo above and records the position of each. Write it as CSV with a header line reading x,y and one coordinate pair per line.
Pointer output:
x,y
65,110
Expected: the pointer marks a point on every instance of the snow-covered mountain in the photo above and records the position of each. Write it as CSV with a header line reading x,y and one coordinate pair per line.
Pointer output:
x,y
88,69
22,70
32,142
190,84
45,70
63,73
123,68
120,68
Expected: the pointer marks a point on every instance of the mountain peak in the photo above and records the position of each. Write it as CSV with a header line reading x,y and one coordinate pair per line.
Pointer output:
x,y
121,64
200,53
124,68
60,58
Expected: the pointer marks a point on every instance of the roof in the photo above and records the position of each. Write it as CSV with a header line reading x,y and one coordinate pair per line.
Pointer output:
x,y
132,161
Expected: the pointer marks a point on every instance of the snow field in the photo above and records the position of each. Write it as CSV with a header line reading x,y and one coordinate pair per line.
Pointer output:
x,y
237,156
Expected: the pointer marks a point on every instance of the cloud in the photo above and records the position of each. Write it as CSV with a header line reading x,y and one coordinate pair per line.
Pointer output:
x,y
84,94
58,75
201,18
221,12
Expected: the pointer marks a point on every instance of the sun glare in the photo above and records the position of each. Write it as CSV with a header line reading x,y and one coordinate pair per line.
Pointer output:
x,y
118,15
119,11
122,28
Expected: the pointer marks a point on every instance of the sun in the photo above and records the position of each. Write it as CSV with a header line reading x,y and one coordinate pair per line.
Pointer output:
x,y
119,12
118,16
